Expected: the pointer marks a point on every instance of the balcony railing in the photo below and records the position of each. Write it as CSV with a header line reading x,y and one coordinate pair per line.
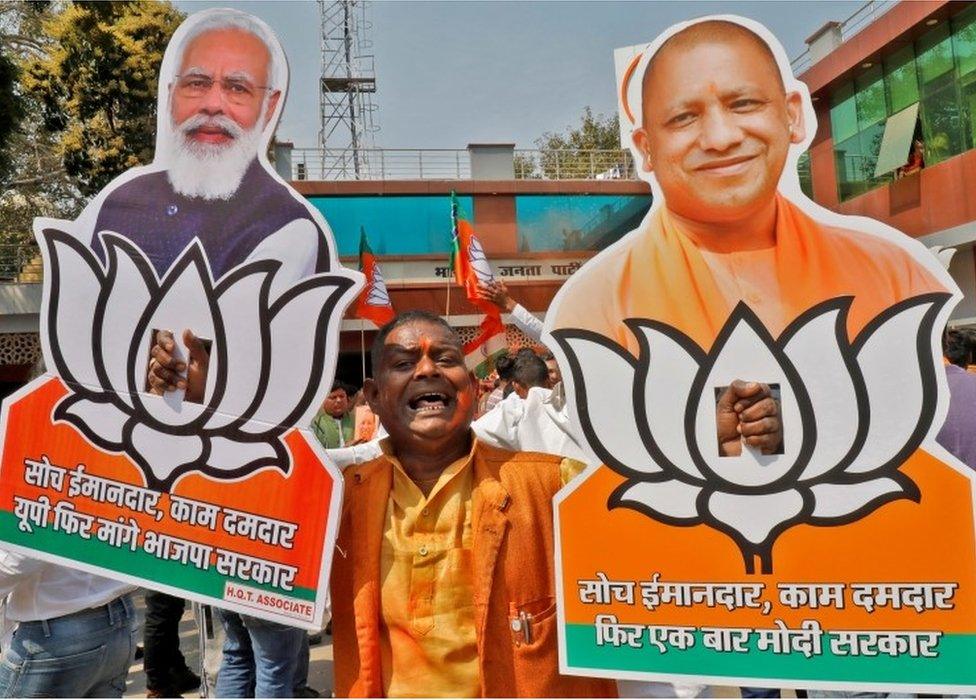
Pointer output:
x,y
20,262
455,164
574,165
862,17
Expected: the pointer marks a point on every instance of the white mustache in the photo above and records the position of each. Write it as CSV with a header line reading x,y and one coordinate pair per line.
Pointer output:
x,y
219,121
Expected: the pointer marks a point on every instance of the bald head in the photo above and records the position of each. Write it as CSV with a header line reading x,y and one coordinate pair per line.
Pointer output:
x,y
713,31
717,123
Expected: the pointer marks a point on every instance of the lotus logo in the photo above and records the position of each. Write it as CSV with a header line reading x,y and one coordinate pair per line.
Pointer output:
x,y
479,261
652,419
378,296
265,369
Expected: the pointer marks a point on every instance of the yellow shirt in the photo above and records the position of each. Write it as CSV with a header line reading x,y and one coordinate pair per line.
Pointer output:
x,y
427,634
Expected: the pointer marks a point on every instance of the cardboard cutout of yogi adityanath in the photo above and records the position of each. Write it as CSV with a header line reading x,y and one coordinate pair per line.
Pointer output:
x,y
189,322
762,380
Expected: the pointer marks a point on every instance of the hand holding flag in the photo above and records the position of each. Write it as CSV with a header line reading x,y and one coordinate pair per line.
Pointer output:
x,y
471,268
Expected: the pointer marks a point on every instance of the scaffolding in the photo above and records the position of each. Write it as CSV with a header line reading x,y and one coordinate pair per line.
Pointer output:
x,y
348,82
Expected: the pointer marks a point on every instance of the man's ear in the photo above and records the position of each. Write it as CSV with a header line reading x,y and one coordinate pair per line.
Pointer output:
x,y
371,393
794,112
640,139
272,103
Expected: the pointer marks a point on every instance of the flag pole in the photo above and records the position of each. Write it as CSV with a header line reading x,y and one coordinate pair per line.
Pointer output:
x,y
362,345
451,261
447,308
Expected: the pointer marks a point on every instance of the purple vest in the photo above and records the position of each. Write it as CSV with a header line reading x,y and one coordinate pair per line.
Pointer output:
x,y
161,222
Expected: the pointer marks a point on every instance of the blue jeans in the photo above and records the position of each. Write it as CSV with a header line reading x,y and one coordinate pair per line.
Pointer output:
x,y
83,655
260,658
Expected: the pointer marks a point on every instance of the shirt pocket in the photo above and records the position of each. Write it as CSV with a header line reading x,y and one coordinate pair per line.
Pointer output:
x,y
532,622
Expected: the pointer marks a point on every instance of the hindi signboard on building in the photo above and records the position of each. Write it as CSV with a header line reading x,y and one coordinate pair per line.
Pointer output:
x,y
761,380
189,328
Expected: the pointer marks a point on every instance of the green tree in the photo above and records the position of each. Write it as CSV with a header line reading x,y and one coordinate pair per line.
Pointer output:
x,y
33,182
581,152
95,83
10,111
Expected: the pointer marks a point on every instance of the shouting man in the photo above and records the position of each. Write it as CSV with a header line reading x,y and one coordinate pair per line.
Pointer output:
x,y
446,582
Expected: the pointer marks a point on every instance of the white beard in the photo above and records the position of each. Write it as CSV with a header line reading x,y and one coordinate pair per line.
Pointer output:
x,y
211,171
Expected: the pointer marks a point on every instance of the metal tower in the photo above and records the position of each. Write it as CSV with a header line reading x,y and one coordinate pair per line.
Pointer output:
x,y
347,84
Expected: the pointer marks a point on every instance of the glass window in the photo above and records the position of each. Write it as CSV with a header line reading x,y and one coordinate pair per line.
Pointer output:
x,y
942,125
934,56
576,222
806,176
901,80
856,159
870,97
395,224
843,113
968,93
964,40
847,156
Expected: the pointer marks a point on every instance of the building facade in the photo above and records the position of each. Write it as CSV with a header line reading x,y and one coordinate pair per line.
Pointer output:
x,y
896,137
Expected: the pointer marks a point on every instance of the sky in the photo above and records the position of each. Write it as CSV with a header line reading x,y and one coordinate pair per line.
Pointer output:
x,y
453,73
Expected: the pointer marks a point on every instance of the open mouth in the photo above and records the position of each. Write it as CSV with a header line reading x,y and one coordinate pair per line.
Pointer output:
x,y
429,402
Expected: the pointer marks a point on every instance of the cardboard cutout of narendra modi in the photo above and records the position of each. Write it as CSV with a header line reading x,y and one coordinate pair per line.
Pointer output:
x,y
762,381
189,322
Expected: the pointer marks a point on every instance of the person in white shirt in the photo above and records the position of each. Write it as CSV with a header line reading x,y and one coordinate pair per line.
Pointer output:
x,y
496,292
75,635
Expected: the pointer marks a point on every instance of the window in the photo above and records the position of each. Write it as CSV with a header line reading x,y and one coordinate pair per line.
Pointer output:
x,y
856,160
897,141
806,176
901,81
843,113
964,40
869,96
934,56
942,130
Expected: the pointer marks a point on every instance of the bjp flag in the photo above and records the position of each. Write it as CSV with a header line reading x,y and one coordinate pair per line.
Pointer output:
x,y
374,301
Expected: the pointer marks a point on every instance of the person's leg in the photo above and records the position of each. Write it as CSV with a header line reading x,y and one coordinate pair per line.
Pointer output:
x,y
235,679
276,650
301,668
81,655
161,641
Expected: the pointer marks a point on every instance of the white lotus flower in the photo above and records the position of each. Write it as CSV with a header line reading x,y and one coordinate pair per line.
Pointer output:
x,y
851,416
265,368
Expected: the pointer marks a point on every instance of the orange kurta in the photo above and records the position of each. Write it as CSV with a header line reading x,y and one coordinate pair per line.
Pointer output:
x,y
662,275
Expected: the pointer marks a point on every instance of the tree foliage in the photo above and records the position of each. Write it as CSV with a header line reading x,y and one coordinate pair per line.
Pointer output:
x,y
10,110
95,83
582,151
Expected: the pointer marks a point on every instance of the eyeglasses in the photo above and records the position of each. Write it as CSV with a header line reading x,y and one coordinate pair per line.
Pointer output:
x,y
234,90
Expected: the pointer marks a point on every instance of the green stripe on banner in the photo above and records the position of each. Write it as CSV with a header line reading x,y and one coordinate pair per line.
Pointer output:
x,y
953,666
138,563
